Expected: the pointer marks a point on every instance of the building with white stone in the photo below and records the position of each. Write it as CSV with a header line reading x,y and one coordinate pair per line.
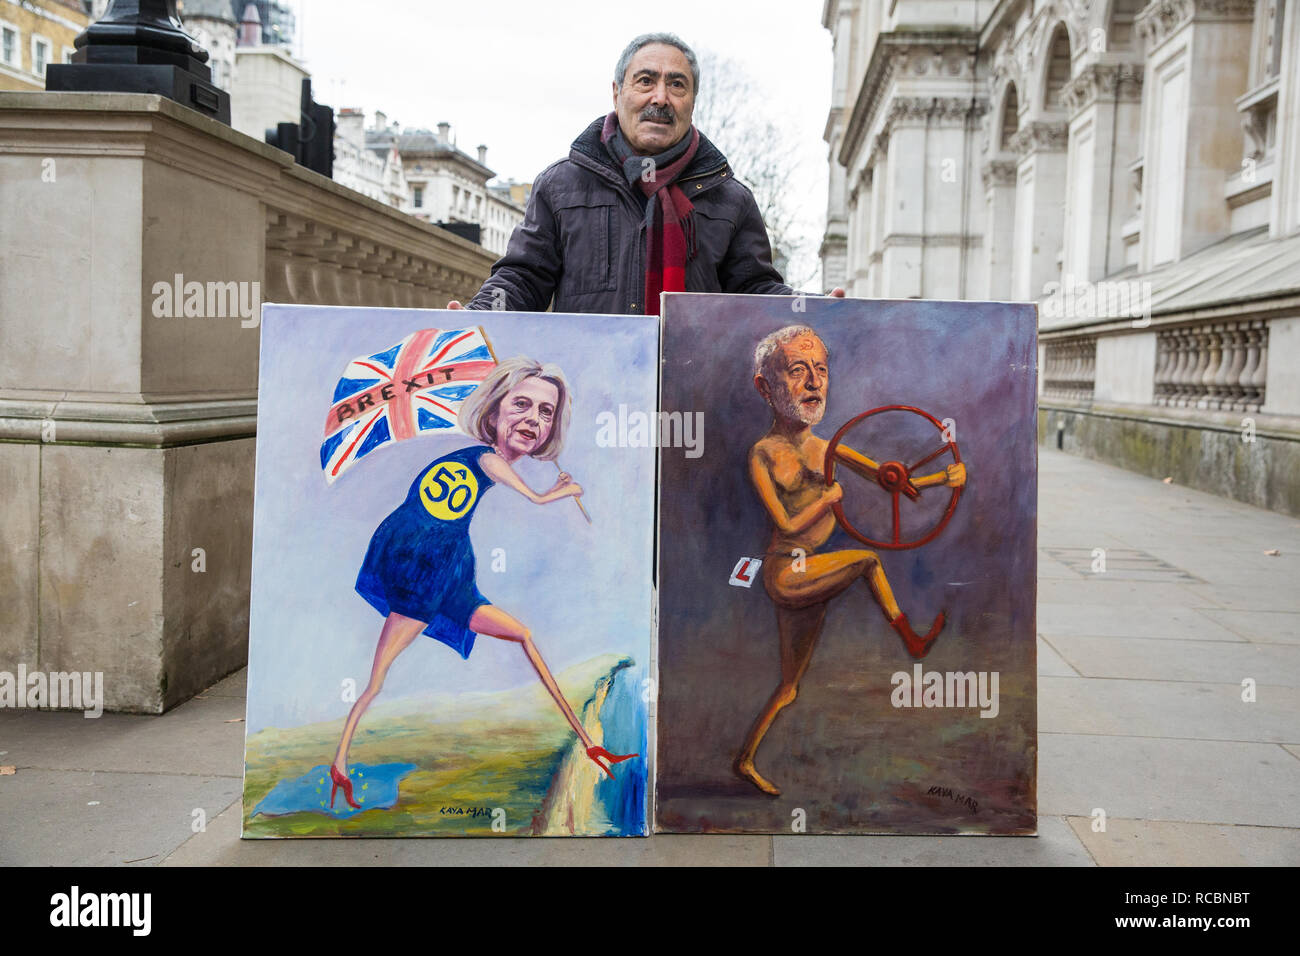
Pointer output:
x,y
450,186
368,161
1134,167
425,175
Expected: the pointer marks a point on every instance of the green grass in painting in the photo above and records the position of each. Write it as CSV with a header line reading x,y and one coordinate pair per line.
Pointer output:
x,y
485,750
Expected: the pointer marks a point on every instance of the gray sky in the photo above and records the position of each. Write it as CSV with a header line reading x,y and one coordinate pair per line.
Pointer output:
x,y
525,77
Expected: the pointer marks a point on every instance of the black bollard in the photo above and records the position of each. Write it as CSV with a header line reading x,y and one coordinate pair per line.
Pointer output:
x,y
139,46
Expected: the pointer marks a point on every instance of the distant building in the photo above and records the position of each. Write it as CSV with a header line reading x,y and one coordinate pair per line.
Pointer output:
x,y
275,19
367,160
268,80
276,23
423,174
449,186
34,34
518,192
212,23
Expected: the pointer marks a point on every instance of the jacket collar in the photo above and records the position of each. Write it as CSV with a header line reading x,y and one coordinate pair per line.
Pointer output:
x,y
590,152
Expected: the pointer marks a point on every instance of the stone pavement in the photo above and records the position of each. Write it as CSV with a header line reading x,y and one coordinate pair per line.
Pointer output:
x,y
1141,715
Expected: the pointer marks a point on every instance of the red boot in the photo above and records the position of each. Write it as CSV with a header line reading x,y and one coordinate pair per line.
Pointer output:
x,y
917,646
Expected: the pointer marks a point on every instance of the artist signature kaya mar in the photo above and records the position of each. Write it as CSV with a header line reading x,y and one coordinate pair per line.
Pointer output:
x,y
969,802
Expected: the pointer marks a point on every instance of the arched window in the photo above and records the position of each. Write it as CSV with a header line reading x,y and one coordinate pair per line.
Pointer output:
x,y
1010,117
1058,67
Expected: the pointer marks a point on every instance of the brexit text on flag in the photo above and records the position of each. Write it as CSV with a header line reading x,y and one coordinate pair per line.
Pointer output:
x,y
414,388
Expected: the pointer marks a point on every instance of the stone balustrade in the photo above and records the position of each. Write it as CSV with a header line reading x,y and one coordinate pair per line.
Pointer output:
x,y
1207,398
1070,368
312,262
1218,366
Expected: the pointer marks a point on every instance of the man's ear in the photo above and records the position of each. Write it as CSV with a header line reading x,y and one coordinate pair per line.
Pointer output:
x,y
615,94
763,387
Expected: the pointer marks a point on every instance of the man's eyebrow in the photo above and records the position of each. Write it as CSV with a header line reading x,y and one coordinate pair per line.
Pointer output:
x,y
654,74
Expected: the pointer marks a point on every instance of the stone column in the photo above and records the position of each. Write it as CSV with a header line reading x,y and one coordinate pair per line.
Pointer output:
x,y
1196,67
933,210
1104,139
1040,207
999,179
904,193
1284,203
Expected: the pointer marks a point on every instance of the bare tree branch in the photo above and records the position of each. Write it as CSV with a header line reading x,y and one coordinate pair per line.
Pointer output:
x,y
762,155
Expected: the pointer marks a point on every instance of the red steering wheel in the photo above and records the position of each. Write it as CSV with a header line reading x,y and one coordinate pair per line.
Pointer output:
x,y
896,478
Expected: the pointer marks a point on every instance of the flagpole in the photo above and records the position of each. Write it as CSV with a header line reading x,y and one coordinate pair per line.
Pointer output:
x,y
577,499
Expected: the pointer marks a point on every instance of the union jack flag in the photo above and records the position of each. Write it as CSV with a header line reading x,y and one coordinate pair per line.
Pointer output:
x,y
414,388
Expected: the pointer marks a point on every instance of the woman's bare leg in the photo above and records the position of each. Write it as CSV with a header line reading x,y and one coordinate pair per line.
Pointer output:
x,y
494,622
398,633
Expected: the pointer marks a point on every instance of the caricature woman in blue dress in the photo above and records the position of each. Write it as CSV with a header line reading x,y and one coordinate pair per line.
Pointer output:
x,y
419,569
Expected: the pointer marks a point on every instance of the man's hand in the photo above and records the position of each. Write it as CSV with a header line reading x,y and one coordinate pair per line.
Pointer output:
x,y
453,304
955,475
833,494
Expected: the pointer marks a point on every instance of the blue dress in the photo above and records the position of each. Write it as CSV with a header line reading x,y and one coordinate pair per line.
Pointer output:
x,y
420,562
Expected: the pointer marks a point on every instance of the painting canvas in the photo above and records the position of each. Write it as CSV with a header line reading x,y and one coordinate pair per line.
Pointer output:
x,y
847,567
451,617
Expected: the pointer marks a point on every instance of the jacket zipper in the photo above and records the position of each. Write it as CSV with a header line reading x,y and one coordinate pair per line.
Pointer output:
x,y
618,180
707,172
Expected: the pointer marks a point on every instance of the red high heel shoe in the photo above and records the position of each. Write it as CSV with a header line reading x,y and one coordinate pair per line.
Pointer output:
x,y
595,753
917,645
341,781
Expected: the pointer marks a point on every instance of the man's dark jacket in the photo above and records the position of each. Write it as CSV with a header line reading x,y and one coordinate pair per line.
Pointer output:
x,y
583,237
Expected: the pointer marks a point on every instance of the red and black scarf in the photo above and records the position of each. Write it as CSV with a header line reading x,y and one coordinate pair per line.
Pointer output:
x,y
670,225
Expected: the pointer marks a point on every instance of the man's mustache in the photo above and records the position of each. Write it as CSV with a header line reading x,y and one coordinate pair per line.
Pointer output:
x,y
659,113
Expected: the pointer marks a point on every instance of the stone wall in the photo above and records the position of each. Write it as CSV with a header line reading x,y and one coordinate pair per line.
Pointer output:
x,y
1218,458
127,429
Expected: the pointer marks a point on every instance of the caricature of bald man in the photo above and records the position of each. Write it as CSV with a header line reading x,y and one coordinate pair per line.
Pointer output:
x,y
787,468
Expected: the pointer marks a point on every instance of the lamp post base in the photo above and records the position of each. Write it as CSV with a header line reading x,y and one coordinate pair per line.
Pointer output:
x,y
166,80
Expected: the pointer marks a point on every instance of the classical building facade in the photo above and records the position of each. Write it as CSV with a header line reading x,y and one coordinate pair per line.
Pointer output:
x,y
425,175
448,185
1134,167
34,34
367,162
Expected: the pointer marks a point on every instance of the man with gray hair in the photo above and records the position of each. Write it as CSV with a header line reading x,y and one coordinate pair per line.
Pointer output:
x,y
643,204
